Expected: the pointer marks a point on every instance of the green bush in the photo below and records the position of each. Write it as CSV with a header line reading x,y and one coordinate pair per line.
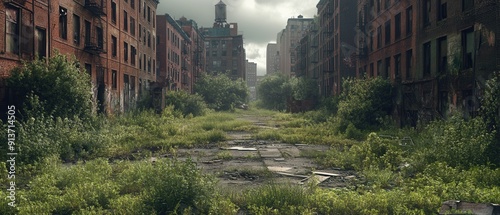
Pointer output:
x,y
56,88
273,92
490,112
457,142
186,103
220,92
277,199
364,102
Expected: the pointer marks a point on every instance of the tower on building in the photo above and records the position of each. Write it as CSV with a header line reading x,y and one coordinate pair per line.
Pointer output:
x,y
220,13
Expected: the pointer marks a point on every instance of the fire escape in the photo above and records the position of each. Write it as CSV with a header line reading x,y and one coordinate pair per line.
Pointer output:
x,y
95,39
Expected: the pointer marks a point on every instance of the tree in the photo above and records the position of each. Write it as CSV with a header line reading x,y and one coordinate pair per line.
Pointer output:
x,y
55,88
273,92
220,92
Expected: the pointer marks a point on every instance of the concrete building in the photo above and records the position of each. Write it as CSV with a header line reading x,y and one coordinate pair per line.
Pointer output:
x,y
197,52
289,40
225,53
251,78
102,35
272,58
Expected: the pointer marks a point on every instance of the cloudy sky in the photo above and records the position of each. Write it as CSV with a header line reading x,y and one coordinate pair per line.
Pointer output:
x,y
258,20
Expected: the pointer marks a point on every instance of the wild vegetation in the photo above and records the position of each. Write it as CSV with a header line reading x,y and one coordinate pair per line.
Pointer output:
x,y
220,92
81,164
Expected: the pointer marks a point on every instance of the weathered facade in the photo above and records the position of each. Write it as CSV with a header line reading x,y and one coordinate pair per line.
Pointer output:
x,y
197,53
102,35
225,53
289,41
438,54
272,58
251,79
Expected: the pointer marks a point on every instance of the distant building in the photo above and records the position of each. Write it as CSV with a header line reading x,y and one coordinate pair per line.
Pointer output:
x,y
225,53
272,58
289,41
113,41
197,51
251,78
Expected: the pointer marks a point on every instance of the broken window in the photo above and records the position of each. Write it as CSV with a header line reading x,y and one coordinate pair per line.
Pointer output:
x,y
442,10
113,12
114,46
409,20
468,48
63,23
442,53
114,80
42,42
387,32
467,5
397,26
427,58
427,12
12,30
125,51
76,29
397,66
409,63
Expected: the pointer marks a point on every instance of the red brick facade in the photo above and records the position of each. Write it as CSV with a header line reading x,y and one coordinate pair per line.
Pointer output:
x,y
105,36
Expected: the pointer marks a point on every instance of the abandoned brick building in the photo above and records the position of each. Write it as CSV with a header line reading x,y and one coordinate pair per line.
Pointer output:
x,y
114,41
438,54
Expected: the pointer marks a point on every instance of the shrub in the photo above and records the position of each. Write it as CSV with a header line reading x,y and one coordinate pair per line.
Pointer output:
x,y
186,103
220,92
273,91
55,88
490,111
364,102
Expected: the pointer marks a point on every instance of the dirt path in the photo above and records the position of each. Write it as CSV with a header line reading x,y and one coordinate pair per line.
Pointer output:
x,y
243,162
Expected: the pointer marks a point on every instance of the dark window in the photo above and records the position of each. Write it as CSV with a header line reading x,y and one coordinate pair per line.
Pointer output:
x,y
87,32
388,32
100,37
442,10
387,71
379,37
140,32
140,60
427,12
76,29
427,59
125,21
63,23
468,48
144,7
397,66
149,39
378,5
442,53
379,68
467,5
397,26
387,4
409,20
371,41
132,26
149,14
132,3
125,51
371,70
114,80
12,30
114,46
144,61
409,63
113,12
42,42
133,53
88,68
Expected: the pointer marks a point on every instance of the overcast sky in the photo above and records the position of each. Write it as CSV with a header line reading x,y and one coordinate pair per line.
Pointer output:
x,y
258,20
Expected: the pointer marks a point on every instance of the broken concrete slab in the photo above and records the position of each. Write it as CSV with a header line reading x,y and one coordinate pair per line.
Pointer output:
x,y
327,174
270,153
317,179
239,148
279,159
278,168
